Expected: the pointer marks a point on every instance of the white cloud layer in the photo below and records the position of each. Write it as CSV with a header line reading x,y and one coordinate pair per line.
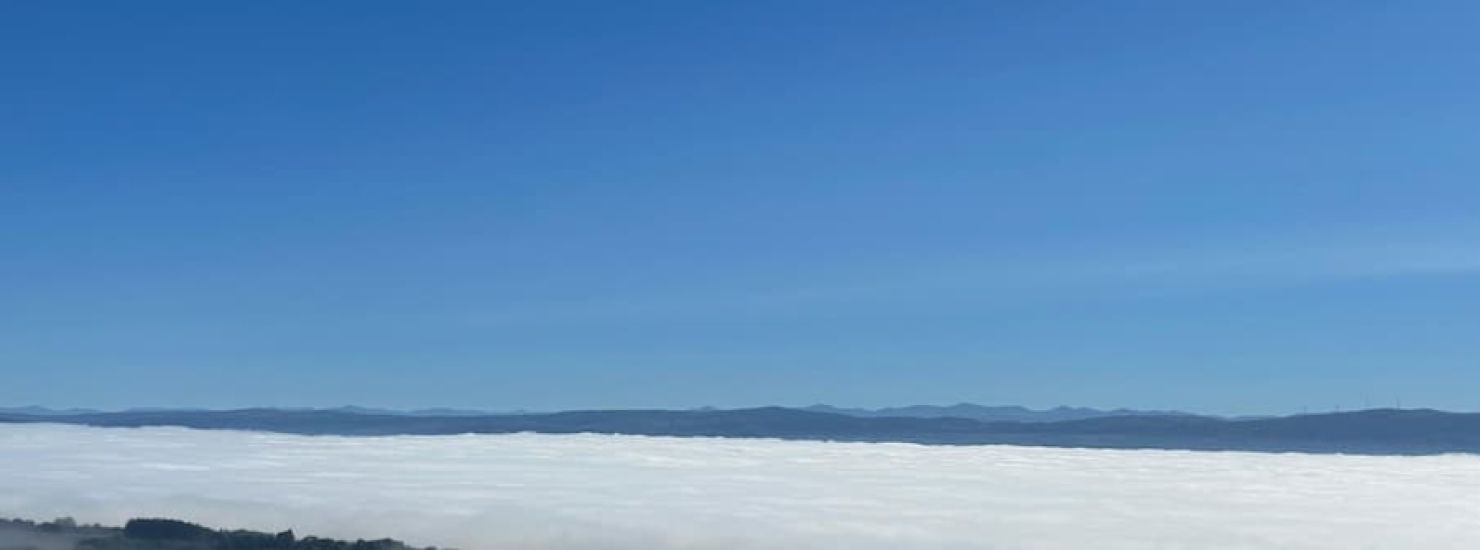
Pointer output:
x,y
530,491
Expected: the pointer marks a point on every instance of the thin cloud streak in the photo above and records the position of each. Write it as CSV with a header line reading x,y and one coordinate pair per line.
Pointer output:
x,y
1046,279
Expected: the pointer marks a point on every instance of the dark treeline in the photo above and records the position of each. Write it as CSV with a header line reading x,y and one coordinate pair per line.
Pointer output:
x,y
165,534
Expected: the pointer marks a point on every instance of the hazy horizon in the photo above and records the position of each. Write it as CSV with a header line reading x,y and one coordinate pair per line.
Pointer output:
x,y
495,410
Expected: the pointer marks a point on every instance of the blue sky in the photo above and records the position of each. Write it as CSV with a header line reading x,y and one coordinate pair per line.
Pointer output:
x,y
1225,207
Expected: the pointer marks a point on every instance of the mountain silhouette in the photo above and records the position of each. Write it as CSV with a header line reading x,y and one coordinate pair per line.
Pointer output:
x,y
989,413
1378,431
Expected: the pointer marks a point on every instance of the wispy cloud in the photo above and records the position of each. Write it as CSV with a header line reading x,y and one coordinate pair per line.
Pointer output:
x,y
984,279
619,492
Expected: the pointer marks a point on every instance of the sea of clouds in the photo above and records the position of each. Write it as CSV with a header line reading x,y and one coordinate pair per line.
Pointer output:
x,y
529,491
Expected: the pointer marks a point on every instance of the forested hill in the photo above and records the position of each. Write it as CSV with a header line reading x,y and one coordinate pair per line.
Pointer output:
x,y
1378,431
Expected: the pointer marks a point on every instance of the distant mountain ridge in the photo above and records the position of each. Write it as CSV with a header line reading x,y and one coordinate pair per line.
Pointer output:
x,y
46,411
43,411
987,413
1378,431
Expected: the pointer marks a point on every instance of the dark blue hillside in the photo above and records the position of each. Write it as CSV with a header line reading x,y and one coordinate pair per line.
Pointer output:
x,y
1381,431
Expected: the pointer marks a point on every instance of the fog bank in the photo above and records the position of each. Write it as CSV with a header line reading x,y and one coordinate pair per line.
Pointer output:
x,y
532,491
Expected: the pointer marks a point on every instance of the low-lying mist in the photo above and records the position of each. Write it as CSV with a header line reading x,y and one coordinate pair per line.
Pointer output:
x,y
486,492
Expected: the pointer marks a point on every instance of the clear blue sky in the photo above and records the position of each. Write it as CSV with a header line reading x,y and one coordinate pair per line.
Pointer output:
x,y
1231,207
